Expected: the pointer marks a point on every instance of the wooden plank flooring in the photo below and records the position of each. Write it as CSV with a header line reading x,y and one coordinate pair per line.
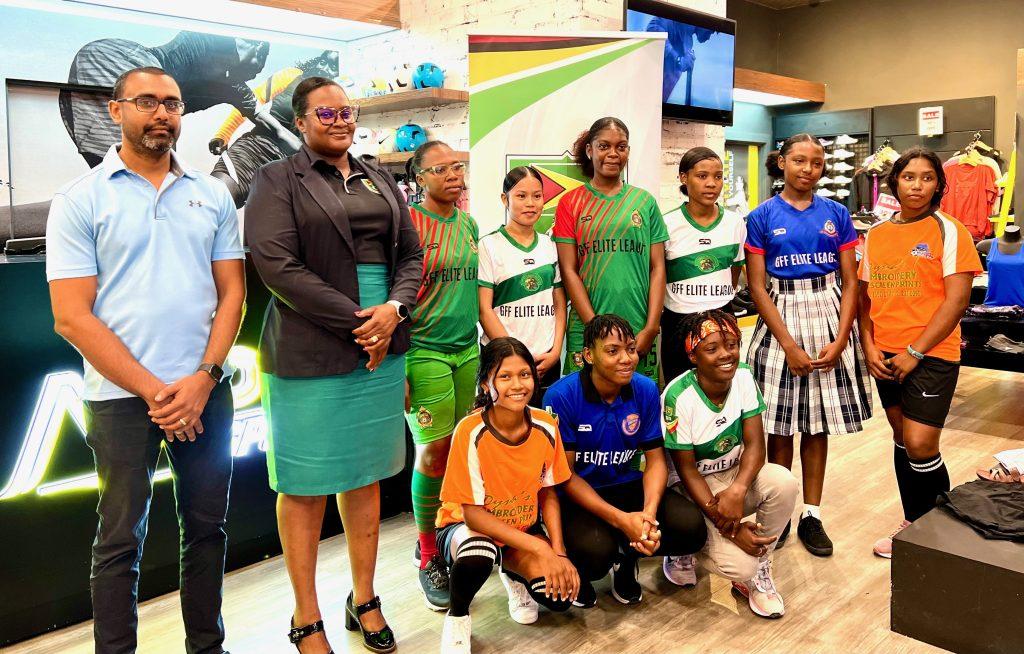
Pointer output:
x,y
840,604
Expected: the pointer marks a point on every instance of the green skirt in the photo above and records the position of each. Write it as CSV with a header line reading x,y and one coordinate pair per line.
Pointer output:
x,y
331,434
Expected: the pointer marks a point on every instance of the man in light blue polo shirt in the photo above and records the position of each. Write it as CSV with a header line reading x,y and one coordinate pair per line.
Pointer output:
x,y
147,281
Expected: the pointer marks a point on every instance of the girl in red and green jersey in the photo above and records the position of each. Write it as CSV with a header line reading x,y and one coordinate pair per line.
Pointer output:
x,y
442,362
611,246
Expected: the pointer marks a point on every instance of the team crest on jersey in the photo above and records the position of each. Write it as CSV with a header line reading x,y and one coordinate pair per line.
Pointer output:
x,y
370,186
706,263
829,228
631,424
724,445
577,359
531,282
636,219
424,418
670,418
922,251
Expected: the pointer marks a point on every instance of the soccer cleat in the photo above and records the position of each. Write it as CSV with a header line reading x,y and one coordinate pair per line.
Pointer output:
x,y
456,634
842,167
434,584
761,594
587,597
842,179
625,587
681,570
846,139
521,607
826,193
883,546
812,535
842,154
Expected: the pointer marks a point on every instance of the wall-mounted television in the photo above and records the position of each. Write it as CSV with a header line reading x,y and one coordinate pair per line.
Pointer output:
x,y
699,59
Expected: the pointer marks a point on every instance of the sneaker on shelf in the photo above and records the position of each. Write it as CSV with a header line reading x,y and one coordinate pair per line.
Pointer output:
x,y
416,554
842,179
825,142
843,193
587,597
826,193
521,607
434,584
842,167
825,181
842,154
761,594
846,139
455,635
829,155
812,535
883,546
625,587
783,536
681,570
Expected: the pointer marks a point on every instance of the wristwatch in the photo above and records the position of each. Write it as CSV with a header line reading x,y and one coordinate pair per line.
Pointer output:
x,y
914,353
403,313
213,370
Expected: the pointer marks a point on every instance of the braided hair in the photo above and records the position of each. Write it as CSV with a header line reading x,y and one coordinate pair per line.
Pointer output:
x,y
690,325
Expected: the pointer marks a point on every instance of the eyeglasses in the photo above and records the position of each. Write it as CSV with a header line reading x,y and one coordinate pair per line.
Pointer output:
x,y
329,115
442,170
149,105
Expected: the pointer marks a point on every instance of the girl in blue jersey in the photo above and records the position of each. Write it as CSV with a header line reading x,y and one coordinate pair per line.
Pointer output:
x,y
805,352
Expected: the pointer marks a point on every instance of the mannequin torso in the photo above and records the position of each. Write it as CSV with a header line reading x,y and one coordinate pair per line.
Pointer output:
x,y
1009,243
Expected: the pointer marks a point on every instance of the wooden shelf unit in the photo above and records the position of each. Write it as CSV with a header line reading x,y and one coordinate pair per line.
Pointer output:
x,y
399,158
407,100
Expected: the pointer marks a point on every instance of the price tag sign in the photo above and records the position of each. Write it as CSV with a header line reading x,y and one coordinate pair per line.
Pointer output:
x,y
886,206
929,121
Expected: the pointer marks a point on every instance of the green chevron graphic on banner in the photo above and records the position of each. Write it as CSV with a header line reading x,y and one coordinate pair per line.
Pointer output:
x,y
489,109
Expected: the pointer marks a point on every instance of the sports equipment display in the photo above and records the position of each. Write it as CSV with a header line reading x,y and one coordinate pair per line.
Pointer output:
x,y
428,75
408,137
375,87
385,138
401,78
364,142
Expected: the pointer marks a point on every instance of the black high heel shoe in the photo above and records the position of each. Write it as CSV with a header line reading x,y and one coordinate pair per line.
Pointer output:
x,y
298,633
376,641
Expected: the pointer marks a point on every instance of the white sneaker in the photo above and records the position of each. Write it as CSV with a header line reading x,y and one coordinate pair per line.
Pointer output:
x,y
826,193
681,570
842,154
761,594
842,179
521,607
825,181
825,142
455,635
842,167
843,193
846,139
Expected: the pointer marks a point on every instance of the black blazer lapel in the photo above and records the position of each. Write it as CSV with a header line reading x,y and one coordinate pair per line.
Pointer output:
x,y
329,202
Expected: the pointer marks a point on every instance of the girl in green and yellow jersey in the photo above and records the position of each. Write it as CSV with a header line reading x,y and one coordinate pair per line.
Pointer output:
x,y
442,362
611,246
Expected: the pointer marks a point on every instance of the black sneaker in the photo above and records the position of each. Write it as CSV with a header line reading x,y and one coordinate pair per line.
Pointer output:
x,y
587,597
778,543
812,535
625,588
434,584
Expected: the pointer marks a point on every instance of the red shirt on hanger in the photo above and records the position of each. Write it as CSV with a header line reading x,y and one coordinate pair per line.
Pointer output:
x,y
970,194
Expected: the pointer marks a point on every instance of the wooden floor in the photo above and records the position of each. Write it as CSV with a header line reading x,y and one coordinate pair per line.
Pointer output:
x,y
840,604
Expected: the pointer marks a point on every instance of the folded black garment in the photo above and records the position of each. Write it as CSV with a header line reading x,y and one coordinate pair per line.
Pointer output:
x,y
1009,312
993,509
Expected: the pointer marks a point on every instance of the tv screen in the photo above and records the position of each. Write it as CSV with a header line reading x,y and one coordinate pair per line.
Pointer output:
x,y
698,75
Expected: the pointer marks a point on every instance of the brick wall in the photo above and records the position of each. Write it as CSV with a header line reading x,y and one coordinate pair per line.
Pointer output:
x,y
436,31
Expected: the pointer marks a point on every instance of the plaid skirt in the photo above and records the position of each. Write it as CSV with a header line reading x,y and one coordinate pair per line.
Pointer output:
x,y
834,402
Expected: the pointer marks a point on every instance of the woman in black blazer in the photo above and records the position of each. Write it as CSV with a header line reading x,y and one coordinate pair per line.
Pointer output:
x,y
330,236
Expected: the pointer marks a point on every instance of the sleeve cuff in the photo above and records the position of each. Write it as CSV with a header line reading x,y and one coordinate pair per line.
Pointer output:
x,y
71,273
227,254
562,239
848,246
484,284
672,445
750,248
653,444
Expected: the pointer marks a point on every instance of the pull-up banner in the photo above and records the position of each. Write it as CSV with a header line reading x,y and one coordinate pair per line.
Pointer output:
x,y
530,97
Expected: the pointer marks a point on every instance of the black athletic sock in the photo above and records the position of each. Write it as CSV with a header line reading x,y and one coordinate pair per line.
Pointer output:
x,y
473,562
536,588
929,479
904,474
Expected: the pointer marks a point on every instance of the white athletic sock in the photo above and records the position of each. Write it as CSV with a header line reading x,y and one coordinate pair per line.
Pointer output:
x,y
811,510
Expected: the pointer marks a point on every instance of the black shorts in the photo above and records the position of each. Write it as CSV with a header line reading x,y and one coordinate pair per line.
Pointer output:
x,y
444,536
926,393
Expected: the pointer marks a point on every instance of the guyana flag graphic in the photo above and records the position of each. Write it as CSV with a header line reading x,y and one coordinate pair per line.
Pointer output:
x,y
559,175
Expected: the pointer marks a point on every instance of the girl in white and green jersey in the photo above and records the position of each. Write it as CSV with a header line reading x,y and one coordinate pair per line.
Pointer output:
x,y
520,287
704,253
